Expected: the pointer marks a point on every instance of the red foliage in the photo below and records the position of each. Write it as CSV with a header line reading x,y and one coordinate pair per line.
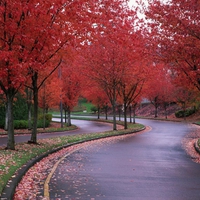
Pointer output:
x,y
174,36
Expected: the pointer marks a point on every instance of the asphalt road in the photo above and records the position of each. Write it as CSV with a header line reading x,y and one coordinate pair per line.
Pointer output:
x,y
151,166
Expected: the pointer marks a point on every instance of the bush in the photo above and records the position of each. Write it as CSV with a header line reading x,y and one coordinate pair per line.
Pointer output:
x,y
23,124
2,123
181,113
94,109
40,123
20,124
20,108
48,117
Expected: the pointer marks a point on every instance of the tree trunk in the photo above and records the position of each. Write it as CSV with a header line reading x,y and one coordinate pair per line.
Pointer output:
x,y
35,109
11,138
156,110
29,104
29,117
165,108
130,112
114,117
184,110
61,114
119,113
106,112
44,119
6,118
65,116
69,118
98,112
134,108
114,111
125,116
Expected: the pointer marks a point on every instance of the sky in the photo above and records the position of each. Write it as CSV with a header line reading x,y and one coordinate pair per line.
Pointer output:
x,y
131,2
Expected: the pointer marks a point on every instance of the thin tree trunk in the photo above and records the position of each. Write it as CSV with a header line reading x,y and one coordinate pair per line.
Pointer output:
x,y
6,118
29,104
134,108
114,111
130,112
119,113
156,110
114,118
29,117
184,109
165,108
61,114
65,116
11,138
98,112
44,119
106,112
35,109
125,116
69,118
44,106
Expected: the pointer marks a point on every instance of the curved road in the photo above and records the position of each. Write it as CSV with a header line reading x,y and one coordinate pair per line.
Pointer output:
x,y
150,166
84,127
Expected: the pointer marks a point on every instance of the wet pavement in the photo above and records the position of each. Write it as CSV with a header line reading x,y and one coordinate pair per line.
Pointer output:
x,y
151,166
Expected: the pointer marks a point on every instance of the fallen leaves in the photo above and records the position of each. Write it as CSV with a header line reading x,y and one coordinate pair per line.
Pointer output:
x,y
188,143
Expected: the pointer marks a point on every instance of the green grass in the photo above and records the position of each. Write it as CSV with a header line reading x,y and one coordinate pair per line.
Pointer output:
x,y
198,143
10,161
79,109
198,123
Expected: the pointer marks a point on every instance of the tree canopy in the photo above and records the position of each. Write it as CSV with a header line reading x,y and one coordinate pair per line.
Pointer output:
x,y
100,47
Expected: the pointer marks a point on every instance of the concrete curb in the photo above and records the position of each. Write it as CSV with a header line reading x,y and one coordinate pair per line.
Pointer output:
x,y
9,190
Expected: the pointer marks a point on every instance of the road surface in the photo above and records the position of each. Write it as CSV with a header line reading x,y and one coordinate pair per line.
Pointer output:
x,y
151,166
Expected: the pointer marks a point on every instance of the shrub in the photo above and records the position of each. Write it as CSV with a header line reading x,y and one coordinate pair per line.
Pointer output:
x,y
20,124
48,117
20,108
23,124
2,123
181,113
94,109
40,123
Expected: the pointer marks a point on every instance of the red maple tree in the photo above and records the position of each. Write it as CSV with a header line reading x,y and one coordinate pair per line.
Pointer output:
x,y
97,96
71,89
174,36
114,62
32,34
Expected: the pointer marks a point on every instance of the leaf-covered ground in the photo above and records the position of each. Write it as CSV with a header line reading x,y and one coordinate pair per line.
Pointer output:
x,y
188,143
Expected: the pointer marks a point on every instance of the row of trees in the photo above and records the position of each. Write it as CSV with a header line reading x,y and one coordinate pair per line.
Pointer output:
x,y
174,40
35,38
58,50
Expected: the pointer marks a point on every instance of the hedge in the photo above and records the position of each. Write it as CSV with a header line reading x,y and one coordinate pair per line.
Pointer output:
x,y
23,124
186,113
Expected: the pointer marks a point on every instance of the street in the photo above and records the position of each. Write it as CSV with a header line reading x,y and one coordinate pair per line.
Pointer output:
x,y
152,165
